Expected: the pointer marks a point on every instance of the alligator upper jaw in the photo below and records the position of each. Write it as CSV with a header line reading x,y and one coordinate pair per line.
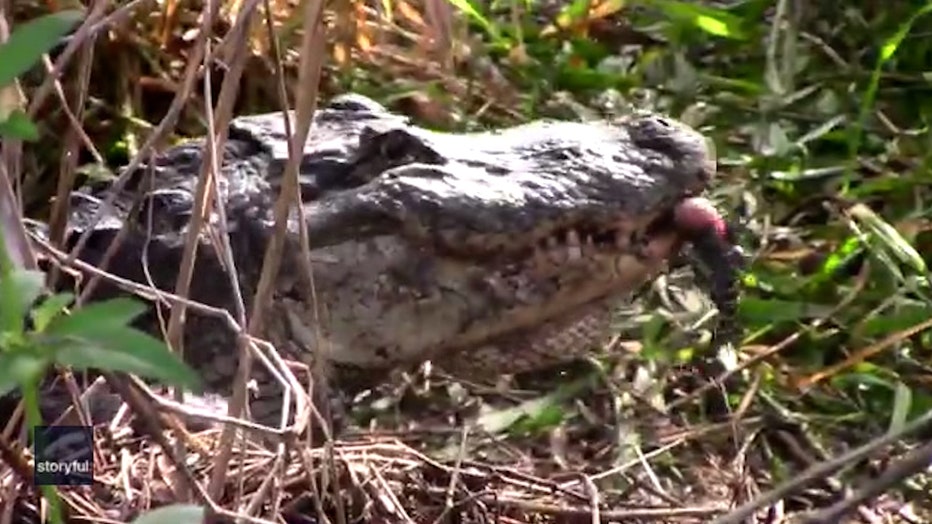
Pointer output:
x,y
652,237
497,192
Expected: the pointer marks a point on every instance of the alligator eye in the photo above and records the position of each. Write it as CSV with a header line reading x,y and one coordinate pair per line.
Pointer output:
x,y
367,134
158,204
395,144
355,103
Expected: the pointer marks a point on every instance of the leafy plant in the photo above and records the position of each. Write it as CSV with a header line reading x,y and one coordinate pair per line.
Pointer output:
x,y
24,48
37,333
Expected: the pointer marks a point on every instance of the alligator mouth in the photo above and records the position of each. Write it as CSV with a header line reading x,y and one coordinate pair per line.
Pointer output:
x,y
643,247
582,239
585,239
691,219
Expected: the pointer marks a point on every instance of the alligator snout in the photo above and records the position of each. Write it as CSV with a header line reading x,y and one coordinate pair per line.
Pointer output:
x,y
693,152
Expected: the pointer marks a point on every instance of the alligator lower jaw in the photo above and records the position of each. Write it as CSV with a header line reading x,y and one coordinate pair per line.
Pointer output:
x,y
575,319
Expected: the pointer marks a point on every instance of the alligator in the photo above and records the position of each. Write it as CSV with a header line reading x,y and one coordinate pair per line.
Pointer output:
x,y
486,252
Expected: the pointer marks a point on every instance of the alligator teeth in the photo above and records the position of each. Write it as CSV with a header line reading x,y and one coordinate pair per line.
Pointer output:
x,y
553,253
573,245
591,247
546,260
621,239
572,238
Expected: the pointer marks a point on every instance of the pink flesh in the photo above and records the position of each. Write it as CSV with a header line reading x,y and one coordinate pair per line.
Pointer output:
x,y
696,215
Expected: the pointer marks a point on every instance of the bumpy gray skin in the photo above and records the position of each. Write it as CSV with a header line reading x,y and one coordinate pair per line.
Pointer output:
x,y
487,253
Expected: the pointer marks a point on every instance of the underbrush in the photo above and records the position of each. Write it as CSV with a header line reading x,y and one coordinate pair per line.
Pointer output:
x,y
819,115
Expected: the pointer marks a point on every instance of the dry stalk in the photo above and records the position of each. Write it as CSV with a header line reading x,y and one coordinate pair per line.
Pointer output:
x,y
74,137
619,515
386,496
80,36
151,425
217,123
915,462
318,375
183,281
455,476
239,41
824,469
14,232
165,126
202,194
440,18
311,52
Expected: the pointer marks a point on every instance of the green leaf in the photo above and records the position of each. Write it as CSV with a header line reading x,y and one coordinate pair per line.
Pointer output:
x,y
579,10
19,368
472,11
889,237
97,336
540,409
50,308
123,349
887,50
843,253
19,126
97,317
18,290
29,41
717,22
897,319
547,417
866,376
769,311
902,402
174,514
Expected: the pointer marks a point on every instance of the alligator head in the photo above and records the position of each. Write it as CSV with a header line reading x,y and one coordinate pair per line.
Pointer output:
x,y
487,253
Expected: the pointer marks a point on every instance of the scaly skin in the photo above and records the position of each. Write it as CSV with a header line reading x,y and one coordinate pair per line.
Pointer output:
x,y
491,252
